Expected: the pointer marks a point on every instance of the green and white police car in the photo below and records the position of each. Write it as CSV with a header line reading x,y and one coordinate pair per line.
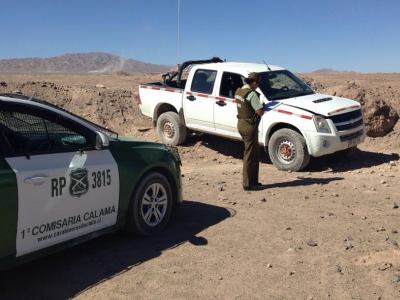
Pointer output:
x,y
64,180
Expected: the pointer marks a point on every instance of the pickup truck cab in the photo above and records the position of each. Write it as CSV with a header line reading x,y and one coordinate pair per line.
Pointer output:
x,y
298,122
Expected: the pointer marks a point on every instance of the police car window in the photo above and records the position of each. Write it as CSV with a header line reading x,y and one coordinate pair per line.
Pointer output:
x,y
230,82
29,134
4,147
203,81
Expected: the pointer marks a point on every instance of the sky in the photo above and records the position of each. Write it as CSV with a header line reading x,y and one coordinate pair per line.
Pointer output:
x,y
301,35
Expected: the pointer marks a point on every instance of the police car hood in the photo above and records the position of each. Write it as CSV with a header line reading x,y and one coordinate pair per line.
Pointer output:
x,y
322,104
136,142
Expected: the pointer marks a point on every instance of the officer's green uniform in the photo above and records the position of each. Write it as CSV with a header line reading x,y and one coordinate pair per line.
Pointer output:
x,y
248,102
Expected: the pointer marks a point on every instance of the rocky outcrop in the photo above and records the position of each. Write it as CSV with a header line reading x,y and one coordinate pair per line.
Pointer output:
x,y
380,116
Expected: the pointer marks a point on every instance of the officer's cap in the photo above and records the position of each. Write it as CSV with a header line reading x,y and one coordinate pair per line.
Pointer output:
x,y
254,77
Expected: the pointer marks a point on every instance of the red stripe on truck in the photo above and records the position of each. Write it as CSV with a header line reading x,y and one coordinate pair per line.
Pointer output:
x,y
138,100
342,109
202,95
290,114
284,112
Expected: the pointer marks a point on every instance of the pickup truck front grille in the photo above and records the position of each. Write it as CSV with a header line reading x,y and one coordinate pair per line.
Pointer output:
x,y
348,120
351,136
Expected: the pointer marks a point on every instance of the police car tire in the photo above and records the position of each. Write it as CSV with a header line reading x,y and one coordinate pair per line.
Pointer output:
x,y
135,222
302,157
179,128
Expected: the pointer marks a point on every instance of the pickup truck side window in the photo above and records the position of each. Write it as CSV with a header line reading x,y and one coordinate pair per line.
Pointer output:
x,y
203,81
230,82
24,133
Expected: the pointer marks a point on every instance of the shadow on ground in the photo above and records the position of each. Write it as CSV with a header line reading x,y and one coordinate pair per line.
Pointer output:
x,y
230,148
65,274
337,162
302,182
358,159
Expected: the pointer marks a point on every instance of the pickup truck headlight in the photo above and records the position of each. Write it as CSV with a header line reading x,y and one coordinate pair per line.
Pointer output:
x,y
321,124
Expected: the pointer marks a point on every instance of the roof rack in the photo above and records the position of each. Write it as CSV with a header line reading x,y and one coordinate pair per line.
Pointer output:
x,y
167,77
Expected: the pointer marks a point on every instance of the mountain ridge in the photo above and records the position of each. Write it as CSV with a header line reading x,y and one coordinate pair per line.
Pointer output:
x,y
330,70
90,62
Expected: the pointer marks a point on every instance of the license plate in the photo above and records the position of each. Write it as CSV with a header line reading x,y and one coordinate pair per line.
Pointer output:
x,y
354,142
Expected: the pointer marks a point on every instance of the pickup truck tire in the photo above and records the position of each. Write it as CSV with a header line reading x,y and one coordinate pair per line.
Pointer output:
x,y
171,129
287,150
151,205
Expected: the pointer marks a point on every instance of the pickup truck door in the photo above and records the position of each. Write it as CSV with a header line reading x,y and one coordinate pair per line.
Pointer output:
x,y
225,110
198,102
63,192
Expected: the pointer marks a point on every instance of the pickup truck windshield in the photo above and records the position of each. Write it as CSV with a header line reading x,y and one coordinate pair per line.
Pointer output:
x,y
277,85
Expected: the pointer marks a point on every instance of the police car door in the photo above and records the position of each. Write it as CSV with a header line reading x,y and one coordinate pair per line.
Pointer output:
x,y
8,205
63,191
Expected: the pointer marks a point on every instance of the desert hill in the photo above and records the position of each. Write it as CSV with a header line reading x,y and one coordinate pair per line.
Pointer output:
x,y
330,70
78,63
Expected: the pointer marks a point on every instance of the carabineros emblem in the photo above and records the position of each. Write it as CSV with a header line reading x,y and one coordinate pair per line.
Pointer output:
x,y
79,182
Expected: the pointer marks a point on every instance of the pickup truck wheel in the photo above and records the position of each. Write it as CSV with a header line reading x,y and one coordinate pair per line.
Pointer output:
x,y
151,205
287,150
171,129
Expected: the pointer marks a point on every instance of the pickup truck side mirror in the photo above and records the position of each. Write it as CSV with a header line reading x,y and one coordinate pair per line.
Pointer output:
x,y
102,141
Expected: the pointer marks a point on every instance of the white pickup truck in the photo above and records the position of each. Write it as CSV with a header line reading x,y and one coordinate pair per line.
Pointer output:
x,y
298,122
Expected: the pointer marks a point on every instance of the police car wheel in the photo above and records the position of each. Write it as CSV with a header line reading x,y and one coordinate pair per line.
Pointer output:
x,y
171,129
287,150
151,205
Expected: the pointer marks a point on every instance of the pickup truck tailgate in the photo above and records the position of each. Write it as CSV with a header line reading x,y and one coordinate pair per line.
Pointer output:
x,y
151,95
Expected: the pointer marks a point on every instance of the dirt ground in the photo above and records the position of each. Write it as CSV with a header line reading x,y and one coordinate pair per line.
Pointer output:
x,y
329,232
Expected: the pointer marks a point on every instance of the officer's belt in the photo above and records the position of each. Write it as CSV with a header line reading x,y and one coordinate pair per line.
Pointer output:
x,y
248,119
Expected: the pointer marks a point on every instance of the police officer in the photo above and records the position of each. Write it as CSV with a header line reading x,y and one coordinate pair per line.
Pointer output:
x,y
250,109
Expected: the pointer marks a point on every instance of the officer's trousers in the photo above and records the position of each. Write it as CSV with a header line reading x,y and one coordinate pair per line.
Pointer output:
x,y
251,158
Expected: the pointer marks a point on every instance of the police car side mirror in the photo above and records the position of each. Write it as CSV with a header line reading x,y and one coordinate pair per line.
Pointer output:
x,y
101,141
